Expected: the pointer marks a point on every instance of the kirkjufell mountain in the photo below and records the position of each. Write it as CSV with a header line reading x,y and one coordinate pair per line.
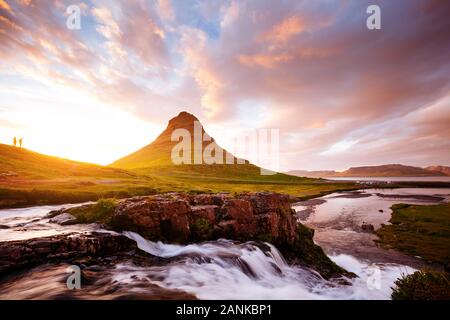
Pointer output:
x,y
157,155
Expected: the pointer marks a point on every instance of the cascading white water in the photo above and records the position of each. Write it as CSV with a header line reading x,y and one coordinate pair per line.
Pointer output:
x,y
226,270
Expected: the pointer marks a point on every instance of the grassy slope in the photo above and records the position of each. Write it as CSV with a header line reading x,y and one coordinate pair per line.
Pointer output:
x,y
227,178
29,178
419,230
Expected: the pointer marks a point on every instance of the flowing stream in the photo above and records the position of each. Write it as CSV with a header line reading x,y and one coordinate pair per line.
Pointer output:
x,y
225,269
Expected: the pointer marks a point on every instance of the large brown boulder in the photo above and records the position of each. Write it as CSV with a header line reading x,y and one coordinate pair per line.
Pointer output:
x,y
157,218
184,218
275,218
180,218
237,220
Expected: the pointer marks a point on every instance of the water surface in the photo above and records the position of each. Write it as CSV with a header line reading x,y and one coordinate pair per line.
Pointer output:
x,y
226,269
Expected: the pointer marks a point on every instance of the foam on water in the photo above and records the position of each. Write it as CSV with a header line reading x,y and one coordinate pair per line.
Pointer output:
x,y
226,270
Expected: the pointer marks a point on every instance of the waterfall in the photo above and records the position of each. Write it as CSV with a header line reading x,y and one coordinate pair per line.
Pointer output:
x,y
224,269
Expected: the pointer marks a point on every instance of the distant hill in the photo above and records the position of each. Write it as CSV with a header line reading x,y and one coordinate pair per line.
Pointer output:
x,y
387,170
312,174
439,169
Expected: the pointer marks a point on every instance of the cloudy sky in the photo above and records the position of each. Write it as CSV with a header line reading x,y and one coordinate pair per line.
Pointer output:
x,y
340,94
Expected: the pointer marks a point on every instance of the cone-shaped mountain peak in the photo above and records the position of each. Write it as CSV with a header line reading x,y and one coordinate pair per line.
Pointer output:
x,y
183,118
159,152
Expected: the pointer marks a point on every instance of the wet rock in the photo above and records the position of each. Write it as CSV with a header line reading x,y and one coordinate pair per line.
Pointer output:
x,y
64,219
55,213
367,227
155,217
202,219
22,253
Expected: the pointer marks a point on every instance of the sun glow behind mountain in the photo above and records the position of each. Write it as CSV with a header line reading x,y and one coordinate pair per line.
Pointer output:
x,y
71,124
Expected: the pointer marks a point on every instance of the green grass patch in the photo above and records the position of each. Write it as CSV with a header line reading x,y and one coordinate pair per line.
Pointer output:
x,y
422,285
202,229
419,230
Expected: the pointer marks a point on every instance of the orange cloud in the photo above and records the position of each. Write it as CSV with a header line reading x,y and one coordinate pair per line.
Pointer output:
x,y
263,60
4,5
286,29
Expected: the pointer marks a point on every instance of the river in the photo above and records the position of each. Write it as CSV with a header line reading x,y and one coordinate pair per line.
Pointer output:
x,y
225,269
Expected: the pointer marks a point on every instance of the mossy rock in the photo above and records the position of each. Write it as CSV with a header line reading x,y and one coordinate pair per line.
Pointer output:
x,y
201,229
100,212
307,253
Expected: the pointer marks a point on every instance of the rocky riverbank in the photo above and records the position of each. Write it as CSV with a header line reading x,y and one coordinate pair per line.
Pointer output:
x,y
16,255
184,218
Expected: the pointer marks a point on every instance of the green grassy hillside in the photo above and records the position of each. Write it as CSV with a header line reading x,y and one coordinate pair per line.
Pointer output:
x,y
23,163
30,178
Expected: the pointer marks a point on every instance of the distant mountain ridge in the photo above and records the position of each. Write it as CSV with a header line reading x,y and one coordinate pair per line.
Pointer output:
x,y
442,169
313,174
387,170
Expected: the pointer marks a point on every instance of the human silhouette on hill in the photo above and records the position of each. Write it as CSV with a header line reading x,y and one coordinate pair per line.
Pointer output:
x,y
15,141
20,142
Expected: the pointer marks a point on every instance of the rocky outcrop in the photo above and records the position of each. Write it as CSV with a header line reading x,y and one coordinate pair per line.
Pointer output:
x,y
184,218
367,227
23,253
64,219
188,218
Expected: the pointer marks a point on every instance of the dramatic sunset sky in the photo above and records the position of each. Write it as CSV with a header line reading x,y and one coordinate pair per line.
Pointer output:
x,y
341,95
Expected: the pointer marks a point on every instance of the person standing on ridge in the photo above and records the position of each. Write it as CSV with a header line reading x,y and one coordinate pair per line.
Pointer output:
x,y
20,142
15,141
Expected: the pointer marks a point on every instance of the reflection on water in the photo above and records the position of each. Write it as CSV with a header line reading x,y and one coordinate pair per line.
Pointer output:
x,y
338,219
28,223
